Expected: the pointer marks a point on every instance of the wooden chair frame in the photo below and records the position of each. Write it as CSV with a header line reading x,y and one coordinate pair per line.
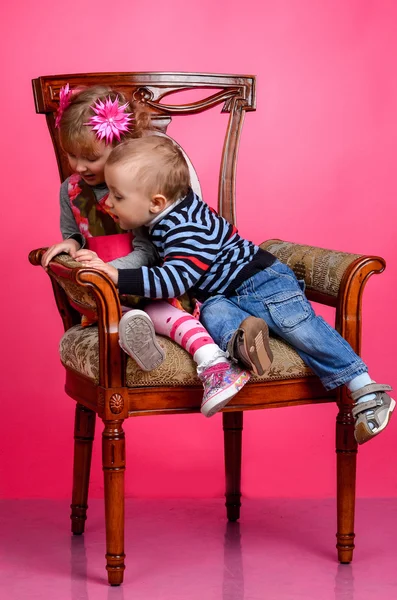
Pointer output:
x,y
113,401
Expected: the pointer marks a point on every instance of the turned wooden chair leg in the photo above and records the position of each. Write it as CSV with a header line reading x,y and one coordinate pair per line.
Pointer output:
x,y
346,455
233,428
113,461
84,429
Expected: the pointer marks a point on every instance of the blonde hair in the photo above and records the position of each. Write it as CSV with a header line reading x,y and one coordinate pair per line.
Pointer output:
x,y
75,134
160,165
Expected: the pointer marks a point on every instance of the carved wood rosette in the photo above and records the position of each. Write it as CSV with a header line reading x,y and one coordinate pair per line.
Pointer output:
x,y
112,404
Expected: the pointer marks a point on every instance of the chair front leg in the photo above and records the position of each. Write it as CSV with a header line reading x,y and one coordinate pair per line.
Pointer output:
x,y
84,430
346,453
113,461
233,429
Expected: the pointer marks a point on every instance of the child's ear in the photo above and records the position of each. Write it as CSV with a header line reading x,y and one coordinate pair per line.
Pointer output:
x,y
158,204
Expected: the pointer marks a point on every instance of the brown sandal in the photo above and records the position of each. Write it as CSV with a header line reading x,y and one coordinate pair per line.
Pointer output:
x,y
376,411
250,345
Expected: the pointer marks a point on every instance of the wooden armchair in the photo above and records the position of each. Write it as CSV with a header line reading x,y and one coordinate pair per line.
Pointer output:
x,y
104,382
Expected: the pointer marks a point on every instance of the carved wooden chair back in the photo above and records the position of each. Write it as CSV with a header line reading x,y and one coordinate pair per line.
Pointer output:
x,y
235,94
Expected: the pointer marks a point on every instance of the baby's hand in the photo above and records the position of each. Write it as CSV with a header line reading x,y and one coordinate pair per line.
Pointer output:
x,y
69,246
85,256
97,263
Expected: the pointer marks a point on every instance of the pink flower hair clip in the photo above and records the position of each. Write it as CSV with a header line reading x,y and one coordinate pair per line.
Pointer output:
x,y
110,119
65,97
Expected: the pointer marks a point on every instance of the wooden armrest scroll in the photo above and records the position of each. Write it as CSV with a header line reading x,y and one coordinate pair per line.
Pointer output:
x,y
92,293
333,278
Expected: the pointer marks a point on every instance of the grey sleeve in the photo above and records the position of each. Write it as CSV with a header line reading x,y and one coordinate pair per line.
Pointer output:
x,y
143,255
69,228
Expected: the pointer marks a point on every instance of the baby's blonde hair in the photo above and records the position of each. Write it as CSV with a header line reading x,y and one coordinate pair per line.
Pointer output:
x,y
75,134
159,165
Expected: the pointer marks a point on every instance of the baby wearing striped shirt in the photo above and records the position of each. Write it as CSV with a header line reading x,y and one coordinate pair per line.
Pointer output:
x,y
244,290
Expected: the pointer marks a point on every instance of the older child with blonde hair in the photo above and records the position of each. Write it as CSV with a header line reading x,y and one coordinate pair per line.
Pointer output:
x,y
91,122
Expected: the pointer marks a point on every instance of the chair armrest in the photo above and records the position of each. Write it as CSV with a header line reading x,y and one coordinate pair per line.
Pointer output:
x,y
333,278
322,270
92,293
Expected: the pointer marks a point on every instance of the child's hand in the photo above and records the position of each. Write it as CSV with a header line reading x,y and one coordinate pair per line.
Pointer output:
x,y
69,246
85,256
97,263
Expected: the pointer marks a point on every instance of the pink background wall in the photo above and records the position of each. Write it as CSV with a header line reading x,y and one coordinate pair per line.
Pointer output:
x,y
317,165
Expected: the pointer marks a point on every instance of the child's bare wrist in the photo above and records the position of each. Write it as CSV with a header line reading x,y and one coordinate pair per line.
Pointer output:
x,y
76,245
113,274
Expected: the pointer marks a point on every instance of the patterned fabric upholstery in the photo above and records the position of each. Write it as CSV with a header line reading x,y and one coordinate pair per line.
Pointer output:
x,y
322,270
79,351
81,296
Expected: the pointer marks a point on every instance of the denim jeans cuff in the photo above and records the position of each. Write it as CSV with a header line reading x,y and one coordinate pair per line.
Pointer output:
x,y
337,379
226,339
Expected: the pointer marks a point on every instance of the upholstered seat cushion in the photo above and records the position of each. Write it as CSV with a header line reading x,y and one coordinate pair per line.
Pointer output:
x,y
79,351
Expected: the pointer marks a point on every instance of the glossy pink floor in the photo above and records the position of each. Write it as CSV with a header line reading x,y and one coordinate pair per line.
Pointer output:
x,y
185,550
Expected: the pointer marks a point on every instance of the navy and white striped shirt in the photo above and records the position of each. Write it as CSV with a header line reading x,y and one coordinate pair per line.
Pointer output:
x,y
199,251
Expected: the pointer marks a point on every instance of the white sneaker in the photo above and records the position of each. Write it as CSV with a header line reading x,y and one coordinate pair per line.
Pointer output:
x,y
138,339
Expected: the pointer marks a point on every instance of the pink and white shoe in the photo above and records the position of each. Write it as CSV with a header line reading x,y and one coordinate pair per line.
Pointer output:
x,y
221,382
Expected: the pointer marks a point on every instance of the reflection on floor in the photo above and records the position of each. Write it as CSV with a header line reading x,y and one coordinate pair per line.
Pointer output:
x,y
185,550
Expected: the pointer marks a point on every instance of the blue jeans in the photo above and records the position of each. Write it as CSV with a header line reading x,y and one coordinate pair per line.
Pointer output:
x,y
276,296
